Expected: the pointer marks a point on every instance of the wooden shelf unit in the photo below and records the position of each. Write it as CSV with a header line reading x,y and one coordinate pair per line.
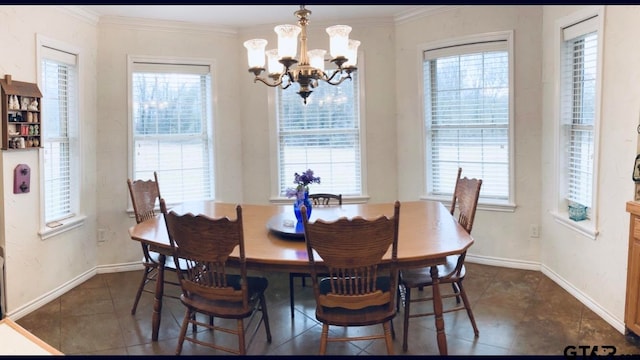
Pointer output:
x,y
22,126
632,303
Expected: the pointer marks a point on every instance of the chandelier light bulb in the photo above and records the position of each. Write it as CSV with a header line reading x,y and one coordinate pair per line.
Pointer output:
x,y
316,58
339,40
287,40
352,53
273,65
255,52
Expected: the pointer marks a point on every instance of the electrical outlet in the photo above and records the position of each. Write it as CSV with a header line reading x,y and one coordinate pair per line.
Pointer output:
x,y
102,235
534,230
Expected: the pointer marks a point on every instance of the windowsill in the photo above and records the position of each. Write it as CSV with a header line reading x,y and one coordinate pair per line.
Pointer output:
x,y
345,200
483,204
65,225
586,227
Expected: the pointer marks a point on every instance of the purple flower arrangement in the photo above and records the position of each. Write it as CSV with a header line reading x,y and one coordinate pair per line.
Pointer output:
x,y
302,180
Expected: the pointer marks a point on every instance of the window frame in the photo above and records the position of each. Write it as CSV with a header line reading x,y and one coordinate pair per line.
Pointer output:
x,y
508,205
560,213
169,60
77,217
276,197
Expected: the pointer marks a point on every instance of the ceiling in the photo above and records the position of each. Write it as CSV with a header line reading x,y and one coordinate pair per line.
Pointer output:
x,y
241,16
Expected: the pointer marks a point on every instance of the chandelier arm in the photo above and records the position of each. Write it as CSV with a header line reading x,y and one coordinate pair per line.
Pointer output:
x,y
275,84
330,82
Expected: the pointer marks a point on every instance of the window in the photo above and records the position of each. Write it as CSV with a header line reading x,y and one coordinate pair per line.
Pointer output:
x,y
59,86
578,72
467,107
323,135
172,129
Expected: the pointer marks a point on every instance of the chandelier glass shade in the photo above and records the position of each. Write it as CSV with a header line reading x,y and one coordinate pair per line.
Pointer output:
x,y
284,68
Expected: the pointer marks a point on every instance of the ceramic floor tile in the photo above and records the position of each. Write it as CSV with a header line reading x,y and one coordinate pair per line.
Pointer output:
x,y
518,312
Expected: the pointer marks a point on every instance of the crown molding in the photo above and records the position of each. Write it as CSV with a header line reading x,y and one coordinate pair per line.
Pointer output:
x,y
165,25
422,11
88,16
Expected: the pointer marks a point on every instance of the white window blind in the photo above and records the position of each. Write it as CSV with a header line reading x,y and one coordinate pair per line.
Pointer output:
x,y
578,99
172,129
59,116
323,135
467,117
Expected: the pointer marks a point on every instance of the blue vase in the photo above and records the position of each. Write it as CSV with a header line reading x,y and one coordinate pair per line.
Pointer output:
x,y
297,204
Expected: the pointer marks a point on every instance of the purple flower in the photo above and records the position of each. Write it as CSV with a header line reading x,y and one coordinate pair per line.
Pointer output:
x,y
302,180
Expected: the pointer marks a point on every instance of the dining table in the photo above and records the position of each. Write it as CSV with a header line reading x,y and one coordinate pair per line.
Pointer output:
x,y
274,240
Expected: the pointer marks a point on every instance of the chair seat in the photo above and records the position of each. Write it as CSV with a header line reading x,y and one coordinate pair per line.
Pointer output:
x,y
169,263
229,309
420,277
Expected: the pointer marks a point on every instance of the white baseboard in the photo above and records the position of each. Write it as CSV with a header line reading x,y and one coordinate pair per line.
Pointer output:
x,y
27,308
104,269
617,324
64,288
508,263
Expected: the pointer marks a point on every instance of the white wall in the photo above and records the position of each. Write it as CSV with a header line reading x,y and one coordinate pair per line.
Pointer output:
x,y
117,41
377,48
509,241
596,268
35,267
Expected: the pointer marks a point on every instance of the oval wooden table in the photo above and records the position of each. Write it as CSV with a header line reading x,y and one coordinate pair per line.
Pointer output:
x,y
427,234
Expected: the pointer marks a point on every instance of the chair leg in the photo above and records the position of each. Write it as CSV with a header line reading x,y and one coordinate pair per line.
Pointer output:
x,y
291,294
183,330
387,337
143,282
241,345
324,338
265,316
456,291
405,331
467,306
398,294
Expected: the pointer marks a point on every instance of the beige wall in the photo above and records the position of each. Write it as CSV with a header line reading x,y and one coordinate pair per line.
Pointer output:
x,y
36,267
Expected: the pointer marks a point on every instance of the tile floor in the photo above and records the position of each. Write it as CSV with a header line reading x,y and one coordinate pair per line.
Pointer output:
x,y
517,312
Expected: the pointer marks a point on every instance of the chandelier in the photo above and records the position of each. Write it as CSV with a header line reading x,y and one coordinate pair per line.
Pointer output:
x,y
285,69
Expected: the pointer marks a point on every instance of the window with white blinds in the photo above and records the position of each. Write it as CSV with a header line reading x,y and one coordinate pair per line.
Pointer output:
x,y
171,127
323,135
60,108
578,108
467,117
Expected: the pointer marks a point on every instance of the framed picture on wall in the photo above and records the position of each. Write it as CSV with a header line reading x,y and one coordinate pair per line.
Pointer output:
x,y
636,169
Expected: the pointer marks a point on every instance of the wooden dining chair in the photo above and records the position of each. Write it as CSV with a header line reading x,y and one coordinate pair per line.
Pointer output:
x,y
358,291
466,194
319,199
325,198
210,284
145,196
